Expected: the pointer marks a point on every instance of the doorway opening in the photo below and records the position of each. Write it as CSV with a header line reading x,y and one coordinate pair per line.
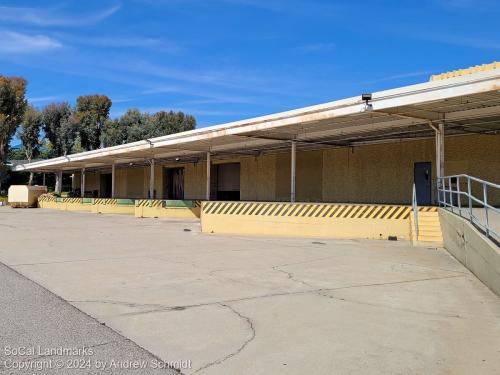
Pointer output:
x,y
228,182
422,177
173,183
105,185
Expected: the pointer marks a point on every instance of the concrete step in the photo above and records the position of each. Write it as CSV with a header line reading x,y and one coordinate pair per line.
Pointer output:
x,y
430,239
429,219
429,226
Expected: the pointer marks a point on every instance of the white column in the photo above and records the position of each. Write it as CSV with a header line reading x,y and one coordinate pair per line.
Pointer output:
x,y
293,168
152,180
58,187
113,180
43,181
440,151
82,183
439,131
208,176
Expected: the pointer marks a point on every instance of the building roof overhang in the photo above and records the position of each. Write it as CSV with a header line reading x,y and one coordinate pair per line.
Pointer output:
x,y
466,104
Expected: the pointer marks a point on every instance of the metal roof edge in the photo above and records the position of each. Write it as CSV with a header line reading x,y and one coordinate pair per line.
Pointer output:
x,y
349,105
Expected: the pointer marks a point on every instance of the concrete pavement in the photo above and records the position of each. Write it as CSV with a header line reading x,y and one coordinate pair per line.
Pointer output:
x,y
244,305
42,334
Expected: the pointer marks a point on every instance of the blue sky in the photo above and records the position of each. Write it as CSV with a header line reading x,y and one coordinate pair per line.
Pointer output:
x,y
224,60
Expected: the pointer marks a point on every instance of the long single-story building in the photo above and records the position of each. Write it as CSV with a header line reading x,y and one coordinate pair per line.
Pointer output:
x,y
371,166
365,149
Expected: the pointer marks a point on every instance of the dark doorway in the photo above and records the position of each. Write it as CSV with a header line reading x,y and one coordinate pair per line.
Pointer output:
x,y
174,183
422,177
228,182
105,188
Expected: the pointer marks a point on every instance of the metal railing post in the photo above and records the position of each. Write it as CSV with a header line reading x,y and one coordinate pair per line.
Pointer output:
x,y
443,186
415,211
451,194
479,221
470,200
485,203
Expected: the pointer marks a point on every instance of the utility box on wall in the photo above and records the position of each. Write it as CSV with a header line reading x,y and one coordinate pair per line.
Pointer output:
x,y
25,195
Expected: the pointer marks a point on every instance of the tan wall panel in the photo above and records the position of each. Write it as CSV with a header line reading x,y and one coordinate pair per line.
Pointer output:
x,y
135,182
384,173
309,178
478,156
258,178
195,175
121,183
283,177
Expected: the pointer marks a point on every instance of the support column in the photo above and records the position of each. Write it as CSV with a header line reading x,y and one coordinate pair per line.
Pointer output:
x,y
82,183
58,187
43,179
209,164
440,150
152,180
439,131
113,180
293,170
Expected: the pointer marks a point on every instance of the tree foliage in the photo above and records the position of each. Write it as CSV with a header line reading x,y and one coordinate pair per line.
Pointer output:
x,y
53,116
12,107
68,133
135,125
29,132
92,112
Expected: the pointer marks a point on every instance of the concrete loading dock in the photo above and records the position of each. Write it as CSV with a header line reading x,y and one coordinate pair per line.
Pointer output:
x,y
260,305
363,150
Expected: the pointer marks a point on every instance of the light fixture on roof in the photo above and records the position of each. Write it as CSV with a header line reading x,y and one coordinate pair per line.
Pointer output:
x,y
366,98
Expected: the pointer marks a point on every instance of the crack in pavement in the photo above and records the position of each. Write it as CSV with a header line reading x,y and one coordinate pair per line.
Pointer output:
x,y
165,308
74,261
389,307
290,276
119,303
239,349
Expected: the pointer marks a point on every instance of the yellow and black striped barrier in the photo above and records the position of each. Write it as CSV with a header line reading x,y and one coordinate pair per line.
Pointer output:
x,y
149,203
322,210
328,220
46,198
105,201
72,200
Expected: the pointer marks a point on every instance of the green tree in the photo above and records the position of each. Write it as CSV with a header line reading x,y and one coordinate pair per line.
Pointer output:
x,y
92,112
53,115
29,133
165,123
114,133
12,106
68,134
135,125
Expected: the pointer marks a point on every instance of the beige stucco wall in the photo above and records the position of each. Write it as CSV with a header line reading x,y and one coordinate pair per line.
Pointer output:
x,y
377,173
366,174
195,175
258,178
384,173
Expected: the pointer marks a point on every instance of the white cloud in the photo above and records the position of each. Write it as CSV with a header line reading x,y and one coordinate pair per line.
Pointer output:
x,y
51,17
395,77
316,47
123,41
14,42
42,99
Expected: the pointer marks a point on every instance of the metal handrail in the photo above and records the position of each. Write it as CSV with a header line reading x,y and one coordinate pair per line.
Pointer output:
x,y
415,210
450,197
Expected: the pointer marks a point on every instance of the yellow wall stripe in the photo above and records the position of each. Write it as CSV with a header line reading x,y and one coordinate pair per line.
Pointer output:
x,y
325,210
